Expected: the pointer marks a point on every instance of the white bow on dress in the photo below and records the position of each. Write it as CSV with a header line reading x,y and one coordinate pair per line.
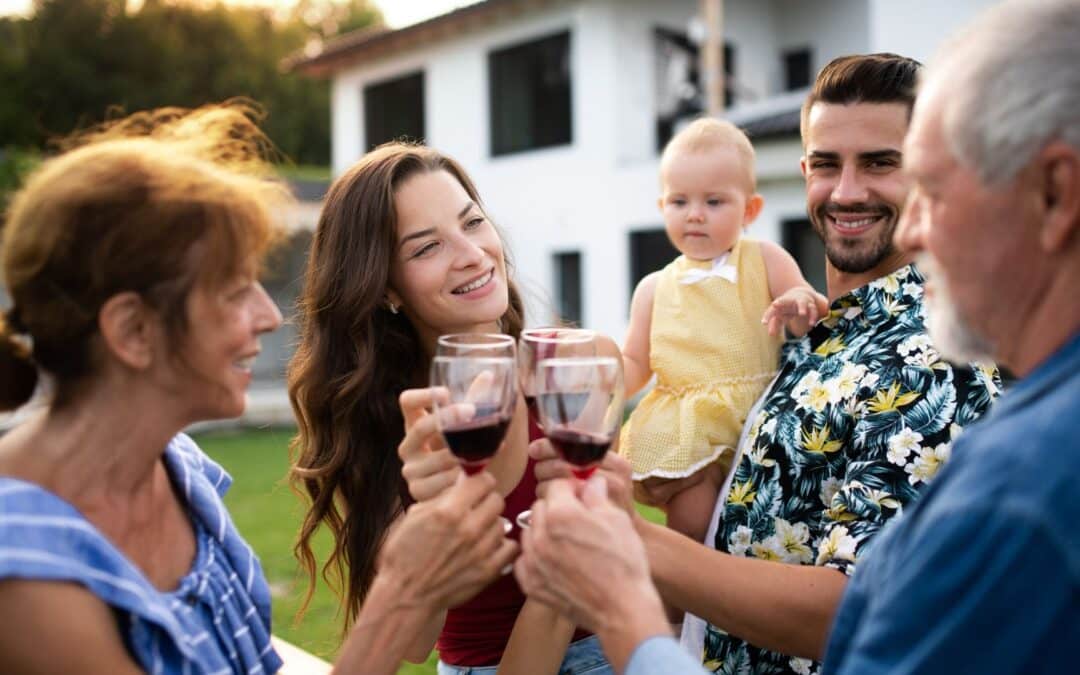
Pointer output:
x,y
720,268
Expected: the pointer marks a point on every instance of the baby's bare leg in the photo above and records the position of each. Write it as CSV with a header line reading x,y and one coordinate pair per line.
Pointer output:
x,y
690,510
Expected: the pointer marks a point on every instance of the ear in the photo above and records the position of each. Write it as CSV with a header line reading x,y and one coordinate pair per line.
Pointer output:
x,y
660,203
802,166
753,208
1059,183
393,296
128,328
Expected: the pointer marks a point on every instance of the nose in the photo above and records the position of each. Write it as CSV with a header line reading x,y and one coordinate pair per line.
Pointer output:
x,y
696,212
267,315
911,228
468,252
850,188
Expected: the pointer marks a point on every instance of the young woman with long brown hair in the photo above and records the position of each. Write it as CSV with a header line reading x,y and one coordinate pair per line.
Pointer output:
x,y
403,253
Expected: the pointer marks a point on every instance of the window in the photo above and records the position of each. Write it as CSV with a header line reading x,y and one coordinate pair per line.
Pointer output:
x,y
796,69
568,287
529,86
394,109
804,244
650,250
679,92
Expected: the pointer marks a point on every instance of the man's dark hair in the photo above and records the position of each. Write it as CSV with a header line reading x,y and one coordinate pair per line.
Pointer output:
x,y
864,78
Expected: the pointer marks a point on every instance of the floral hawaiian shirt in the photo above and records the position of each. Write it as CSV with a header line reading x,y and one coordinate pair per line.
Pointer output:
x,y
861,415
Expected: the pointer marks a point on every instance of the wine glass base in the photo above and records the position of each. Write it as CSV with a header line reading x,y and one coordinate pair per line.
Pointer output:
x,y
524,519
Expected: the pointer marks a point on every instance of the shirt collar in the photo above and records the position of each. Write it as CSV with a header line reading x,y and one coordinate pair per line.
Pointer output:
x,y
878,301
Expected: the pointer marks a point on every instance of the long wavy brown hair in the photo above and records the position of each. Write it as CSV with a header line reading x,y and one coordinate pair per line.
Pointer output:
x,y
354,359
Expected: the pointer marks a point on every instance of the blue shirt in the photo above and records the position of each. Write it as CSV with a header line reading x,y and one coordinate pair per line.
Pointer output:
x,y
661,655
983,574
216,621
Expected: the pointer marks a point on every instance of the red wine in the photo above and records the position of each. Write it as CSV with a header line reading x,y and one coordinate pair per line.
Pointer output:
x,y
475,442
581,449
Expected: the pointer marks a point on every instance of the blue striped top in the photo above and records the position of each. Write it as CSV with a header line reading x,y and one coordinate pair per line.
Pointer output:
x,y
216,621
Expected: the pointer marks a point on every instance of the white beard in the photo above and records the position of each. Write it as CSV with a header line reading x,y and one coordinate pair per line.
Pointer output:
x,y
951,335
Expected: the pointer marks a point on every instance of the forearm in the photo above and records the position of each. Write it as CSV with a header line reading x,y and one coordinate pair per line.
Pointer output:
x,y
384,632
785,608
539,641
638,616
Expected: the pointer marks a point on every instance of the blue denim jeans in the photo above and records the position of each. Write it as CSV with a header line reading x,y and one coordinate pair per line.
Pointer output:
x,y
582,657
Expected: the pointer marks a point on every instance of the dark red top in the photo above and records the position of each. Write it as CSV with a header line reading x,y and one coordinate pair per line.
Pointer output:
x,y
475,633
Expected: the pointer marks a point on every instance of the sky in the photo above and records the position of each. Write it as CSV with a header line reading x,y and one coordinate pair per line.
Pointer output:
x,y
397,13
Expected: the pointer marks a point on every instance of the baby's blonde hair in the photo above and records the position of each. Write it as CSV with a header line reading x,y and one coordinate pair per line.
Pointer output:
x,y
708,133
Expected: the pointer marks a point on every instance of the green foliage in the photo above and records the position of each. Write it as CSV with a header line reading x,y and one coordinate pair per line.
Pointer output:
x,y
73,61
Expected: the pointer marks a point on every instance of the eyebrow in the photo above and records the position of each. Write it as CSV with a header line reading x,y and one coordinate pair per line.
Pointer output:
x,y
873,154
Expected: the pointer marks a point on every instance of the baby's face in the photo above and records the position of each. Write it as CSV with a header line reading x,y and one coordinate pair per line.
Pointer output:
x,y
705,201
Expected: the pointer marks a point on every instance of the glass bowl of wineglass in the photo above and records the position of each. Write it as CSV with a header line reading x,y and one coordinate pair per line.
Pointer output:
x,y
475,413
580,404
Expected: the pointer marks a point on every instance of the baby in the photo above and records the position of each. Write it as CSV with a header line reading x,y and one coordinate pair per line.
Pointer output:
x,y
698,325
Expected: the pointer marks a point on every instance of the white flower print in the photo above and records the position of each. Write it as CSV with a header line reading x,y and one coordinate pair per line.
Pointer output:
x,y
870,381
829,487
927,464
769,427
792,540
838,545
740,540
915,343
913,289
847,382
800,666
812,393
769,549
903,444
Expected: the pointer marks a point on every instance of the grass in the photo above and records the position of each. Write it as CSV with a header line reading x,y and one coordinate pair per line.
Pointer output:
x,y
268,514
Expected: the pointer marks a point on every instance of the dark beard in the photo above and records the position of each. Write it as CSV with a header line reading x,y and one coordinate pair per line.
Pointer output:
x,y
855,256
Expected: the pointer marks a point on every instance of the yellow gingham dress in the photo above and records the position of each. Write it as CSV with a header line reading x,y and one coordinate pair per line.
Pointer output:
x,y
712,358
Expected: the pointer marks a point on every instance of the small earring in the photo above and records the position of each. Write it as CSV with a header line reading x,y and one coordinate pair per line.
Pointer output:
x,y
392,307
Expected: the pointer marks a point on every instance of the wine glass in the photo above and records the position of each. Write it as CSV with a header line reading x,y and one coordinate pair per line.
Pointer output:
x,y
537,344
475,344
475,414
580,403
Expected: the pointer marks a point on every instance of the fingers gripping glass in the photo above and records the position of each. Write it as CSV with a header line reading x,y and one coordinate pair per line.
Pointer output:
x,y
475,414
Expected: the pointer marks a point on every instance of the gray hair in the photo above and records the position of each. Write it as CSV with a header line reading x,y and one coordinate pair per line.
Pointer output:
x,y
1015,74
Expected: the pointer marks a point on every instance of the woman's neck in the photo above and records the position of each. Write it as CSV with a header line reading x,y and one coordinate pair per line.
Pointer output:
x,y
101,448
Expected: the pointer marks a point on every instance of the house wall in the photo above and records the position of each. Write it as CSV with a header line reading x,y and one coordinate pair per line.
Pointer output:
x,y
587,196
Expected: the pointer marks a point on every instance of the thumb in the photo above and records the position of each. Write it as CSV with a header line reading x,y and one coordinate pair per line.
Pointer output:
x,y
595,493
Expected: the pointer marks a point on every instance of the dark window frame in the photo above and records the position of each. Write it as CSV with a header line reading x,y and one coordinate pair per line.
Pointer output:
x,y
376,115
805,76
569,297
550,125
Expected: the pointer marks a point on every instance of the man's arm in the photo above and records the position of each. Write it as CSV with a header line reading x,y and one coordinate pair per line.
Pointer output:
x,y
973,590
785,608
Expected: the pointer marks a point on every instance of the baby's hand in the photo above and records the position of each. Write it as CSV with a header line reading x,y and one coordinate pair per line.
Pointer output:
x,y
799,308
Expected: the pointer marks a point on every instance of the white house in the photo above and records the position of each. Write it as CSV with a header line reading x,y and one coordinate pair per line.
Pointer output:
x,y
558,108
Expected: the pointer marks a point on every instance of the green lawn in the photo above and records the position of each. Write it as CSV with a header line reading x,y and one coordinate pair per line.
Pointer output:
x,y
268,515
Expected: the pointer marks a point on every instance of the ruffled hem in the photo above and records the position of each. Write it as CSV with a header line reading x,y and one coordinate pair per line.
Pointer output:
x,y
718,452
